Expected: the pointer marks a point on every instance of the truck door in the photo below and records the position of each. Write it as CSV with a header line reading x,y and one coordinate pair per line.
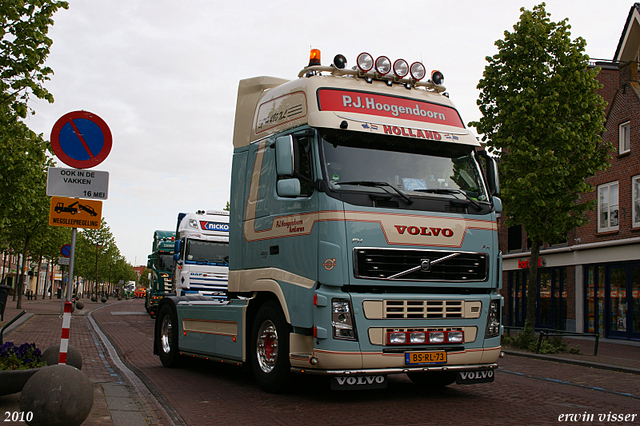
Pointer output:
x,y
279,224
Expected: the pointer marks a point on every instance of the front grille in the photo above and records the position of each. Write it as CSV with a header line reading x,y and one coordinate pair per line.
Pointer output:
x,y
423,309
381,264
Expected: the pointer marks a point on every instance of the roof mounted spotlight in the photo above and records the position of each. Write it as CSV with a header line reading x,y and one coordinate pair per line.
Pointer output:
x,y
314,57
418,71
400,68
339,61
365,62
437,77
383,65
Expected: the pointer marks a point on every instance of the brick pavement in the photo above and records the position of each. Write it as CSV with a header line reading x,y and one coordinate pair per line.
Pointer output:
x,y
42,324
205,393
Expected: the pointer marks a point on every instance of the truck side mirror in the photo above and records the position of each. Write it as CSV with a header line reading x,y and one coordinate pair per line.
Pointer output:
x,y
497,204
176,250
493,179
284,155
289,187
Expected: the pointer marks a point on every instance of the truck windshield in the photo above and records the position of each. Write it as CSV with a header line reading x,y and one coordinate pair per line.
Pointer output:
x,y
165,262
207,252
357,161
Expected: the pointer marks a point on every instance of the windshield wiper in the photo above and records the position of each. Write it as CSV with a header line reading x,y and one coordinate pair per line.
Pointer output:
x,y
382,185
451,191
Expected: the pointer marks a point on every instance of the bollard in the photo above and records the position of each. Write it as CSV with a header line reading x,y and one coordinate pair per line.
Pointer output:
x,y
57,395
51,356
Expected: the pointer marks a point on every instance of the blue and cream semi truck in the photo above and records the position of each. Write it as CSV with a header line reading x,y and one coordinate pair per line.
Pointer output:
x,y
363,237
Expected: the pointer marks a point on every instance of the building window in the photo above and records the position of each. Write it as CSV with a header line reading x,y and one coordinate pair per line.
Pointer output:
x,y
624,138
514,235
608,207
635,191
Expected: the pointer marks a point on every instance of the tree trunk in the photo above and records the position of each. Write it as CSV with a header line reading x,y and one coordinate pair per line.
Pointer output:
x,y
35,294
532,284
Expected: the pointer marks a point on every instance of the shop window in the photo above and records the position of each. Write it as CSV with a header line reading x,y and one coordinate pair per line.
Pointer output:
x,y
624,139
608,207
635,192
594,299
591,300
618,299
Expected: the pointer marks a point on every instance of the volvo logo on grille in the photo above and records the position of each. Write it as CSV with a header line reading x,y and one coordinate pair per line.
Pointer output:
x,y
425,265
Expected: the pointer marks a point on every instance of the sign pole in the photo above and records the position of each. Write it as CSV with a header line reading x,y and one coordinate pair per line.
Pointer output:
x,y
66,316
74,232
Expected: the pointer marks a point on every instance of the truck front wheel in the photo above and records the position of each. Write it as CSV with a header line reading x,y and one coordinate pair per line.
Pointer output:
x,y
270,348
167,337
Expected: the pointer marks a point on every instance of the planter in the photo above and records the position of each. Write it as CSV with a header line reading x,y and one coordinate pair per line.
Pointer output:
x,y
12,381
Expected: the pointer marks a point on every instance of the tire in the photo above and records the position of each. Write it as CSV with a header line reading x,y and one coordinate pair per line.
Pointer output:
x,y
270,348
434,379
167,337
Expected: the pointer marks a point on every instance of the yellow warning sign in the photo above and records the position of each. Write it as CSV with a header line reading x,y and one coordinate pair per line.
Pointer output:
x,y
75,213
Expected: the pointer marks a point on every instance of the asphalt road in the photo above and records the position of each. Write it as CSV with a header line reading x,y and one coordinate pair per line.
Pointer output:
x,y
525,392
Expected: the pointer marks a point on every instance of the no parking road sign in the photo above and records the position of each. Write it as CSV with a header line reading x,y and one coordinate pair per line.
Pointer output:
x,y
65,250
81,139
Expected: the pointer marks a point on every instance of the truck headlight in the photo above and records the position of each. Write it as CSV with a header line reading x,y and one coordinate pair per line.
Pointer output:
x,y
342,320
417,337
493,319
436,337
455,337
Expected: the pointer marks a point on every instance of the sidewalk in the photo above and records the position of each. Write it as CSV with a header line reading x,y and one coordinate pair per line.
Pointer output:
x,y
115,401
613,354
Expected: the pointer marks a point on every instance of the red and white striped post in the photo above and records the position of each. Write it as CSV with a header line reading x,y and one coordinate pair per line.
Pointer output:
x,y
66,316
64,340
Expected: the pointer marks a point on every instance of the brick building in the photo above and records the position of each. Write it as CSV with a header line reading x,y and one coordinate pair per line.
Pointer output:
x,y
591,282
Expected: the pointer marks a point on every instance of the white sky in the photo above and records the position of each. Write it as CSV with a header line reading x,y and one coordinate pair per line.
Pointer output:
x,y
163,74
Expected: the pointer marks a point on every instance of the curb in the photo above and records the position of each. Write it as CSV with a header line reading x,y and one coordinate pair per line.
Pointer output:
x,y
574,362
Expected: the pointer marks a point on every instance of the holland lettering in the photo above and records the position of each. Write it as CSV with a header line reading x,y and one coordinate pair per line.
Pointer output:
x,y
415,133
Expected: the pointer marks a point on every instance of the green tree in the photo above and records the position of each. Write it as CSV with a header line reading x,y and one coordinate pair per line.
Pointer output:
x,y
24,48
144,278
541,114
48,247
26,221
95,248
123,271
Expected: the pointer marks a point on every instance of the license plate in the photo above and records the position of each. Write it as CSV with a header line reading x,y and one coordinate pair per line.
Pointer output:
x,y
358,382
412,358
